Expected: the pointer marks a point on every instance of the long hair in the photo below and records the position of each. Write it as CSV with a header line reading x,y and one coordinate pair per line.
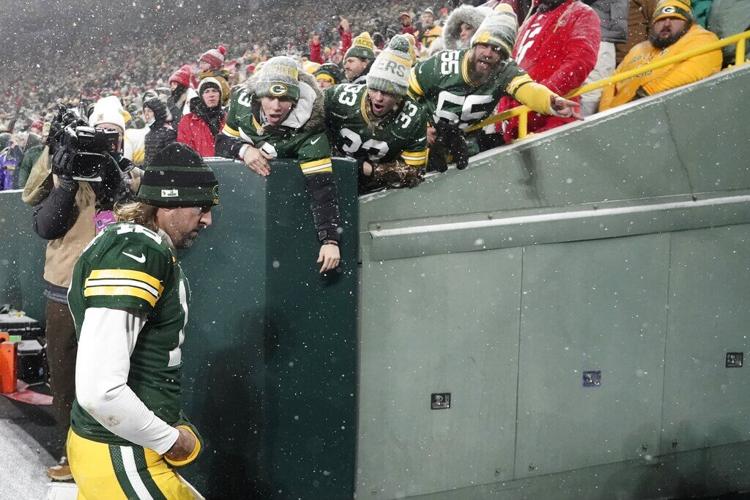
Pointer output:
x,y
138,213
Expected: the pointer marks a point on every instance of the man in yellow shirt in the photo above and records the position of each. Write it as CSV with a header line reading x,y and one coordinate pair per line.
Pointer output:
x,y
673,31
430,30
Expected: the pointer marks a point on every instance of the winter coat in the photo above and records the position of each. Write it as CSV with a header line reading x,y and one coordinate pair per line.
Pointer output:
x,y
558,49
613,15
450,39
728,17
195,132
159,137
316,52
29,158
666,78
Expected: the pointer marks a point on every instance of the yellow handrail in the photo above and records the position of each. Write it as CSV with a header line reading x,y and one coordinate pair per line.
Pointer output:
x,y
523,111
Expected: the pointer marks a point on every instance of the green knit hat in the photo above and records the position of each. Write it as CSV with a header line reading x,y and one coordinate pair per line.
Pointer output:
x,y
362,47
178,177
279,77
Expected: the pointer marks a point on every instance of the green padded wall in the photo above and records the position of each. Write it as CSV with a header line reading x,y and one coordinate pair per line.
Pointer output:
x,y
617,245
270,358
270,355
21,257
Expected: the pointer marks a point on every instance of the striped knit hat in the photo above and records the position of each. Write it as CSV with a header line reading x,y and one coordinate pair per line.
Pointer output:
x,y
362,47
390,71
498,29
214,57
672,8
178,177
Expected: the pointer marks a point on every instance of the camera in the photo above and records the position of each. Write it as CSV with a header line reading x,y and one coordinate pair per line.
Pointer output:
x,y
80,151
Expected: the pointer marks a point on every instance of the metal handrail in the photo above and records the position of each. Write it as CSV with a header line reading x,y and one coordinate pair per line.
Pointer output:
x,y
523,111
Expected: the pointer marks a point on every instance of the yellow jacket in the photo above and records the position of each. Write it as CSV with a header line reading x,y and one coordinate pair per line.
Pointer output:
x,y
669,77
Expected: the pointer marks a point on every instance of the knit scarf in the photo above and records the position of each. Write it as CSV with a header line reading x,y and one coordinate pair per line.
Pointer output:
x,y
212,116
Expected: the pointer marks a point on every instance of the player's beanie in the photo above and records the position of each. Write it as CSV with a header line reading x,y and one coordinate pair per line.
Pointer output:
x,y
498,29
672,8
362,47
278,77
178,177
390,71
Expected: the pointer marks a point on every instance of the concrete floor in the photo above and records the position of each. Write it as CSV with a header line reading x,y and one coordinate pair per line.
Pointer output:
x,y
28,445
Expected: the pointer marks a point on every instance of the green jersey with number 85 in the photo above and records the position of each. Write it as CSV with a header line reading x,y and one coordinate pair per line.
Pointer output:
x,y
401,134
128,266
443,84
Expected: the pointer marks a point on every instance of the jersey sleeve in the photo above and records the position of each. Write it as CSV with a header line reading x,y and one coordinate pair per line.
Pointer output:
x,y
314,154
415,152
526,91
239,103
421,78
130,273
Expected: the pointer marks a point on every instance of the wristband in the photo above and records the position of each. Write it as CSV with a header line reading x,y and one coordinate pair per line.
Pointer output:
x,y
330,242
193,454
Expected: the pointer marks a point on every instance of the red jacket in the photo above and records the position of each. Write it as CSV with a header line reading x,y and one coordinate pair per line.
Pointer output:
x,y
316,52
558,49
346,39
194,132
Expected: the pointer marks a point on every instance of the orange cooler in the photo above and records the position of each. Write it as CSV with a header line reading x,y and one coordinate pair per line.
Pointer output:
x,y
7,364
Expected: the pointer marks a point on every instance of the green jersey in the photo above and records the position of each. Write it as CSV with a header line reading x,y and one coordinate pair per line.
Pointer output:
x,y
443,84
310,147
130,267
402,134
295,139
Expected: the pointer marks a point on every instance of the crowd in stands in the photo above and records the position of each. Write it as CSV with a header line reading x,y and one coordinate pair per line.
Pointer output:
x,y
402,89
81,63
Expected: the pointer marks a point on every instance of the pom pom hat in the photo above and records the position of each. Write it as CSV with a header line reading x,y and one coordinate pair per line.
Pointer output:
x,y
390,71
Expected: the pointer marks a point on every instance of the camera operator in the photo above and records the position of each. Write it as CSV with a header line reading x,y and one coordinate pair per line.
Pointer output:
x,y
73,186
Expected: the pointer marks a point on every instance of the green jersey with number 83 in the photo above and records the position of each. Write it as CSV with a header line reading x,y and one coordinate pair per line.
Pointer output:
x,y
401,134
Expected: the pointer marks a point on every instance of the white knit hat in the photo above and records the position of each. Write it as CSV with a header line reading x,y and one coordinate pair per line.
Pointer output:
x,y
498,29
109,110
390,71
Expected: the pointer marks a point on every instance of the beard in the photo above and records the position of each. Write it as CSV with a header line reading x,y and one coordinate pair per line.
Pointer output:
x,y
662,43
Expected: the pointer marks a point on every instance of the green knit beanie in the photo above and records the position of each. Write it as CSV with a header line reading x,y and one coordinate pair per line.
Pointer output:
x,y
178,177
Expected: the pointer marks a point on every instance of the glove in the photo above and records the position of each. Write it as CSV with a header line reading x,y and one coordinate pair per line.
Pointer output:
x,y
193,456
397,174
115,184
453,140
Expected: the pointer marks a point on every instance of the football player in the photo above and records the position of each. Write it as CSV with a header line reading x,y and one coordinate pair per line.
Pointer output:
x,y
129,301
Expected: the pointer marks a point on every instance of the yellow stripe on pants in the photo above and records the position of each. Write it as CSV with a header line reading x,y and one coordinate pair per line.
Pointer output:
x,y
93,467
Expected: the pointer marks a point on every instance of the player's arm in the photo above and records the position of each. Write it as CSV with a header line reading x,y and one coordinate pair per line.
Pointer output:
x,y
229,144
107,339
315,162
414,118
420,79
539,98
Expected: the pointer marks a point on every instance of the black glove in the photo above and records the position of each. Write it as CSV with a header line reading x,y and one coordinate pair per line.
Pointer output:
x,y
453,139
115,184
